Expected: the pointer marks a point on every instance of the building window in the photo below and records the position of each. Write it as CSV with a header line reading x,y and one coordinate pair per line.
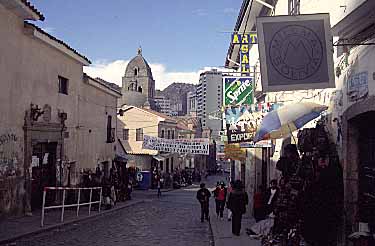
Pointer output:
x,y
172,134
136,71
172,164
125,134
139,134
169,134
63,85
110,130
162,133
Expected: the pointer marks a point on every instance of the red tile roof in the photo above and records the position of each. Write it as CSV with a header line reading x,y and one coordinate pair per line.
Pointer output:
x,y
57,40
32,8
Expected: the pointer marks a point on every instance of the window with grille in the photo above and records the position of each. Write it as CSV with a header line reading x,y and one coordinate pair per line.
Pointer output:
x,y
63,85
139,134
125,134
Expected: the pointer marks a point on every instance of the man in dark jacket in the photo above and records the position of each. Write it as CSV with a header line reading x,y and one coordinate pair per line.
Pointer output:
x,y
203,196
237,203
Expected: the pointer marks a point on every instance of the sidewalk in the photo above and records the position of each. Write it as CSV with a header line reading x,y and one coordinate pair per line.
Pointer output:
x,y
17,227
222,230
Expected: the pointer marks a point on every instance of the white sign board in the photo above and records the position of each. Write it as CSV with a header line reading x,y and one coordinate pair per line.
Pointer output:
x,y
295,52
196,146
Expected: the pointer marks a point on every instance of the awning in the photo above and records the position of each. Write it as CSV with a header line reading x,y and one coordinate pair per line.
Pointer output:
x,y
120,158
159,157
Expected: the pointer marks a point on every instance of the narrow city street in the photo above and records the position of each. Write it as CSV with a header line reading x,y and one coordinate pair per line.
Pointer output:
x,y
171,220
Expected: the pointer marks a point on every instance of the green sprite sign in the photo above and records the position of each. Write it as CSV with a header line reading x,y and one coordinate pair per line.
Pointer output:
x,y
238,90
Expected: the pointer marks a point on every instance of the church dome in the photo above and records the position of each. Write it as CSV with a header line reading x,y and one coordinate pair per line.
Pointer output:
x,y
138,67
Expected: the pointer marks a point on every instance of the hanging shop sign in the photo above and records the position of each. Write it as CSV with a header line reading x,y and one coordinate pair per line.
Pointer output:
x,y
196,146
238,90
295,52
357,86
260,144
241,124
234,152
244,40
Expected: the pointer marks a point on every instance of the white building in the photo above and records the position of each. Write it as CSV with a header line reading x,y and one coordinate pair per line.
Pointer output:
x,y
164,105
351,105
192,103
210,99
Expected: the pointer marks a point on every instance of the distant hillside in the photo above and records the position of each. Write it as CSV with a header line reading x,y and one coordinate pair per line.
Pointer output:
x,y
176,92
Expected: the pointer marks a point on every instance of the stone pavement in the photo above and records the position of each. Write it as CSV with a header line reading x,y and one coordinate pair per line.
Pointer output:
x,y
222,229
172,220
18,227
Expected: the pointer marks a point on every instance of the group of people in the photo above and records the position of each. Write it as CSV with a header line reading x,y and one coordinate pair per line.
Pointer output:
x,y
115,186
305,204
233,197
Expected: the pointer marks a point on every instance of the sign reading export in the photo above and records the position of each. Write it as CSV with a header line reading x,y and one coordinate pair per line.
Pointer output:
x,y
238,90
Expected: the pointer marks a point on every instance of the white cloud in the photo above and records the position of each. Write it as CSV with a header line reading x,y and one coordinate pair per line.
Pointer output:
x,y
113,71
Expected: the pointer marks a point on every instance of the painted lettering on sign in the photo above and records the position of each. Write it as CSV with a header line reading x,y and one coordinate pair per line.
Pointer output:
x,y
250,38
238,90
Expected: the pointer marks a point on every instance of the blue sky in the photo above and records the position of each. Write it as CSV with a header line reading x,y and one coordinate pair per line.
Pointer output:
x,y
181,35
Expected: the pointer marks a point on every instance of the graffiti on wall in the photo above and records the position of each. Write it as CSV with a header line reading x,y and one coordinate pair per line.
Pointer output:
x,y
9,156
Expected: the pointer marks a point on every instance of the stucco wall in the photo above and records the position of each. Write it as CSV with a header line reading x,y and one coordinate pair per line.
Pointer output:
x,y
30,71
95,106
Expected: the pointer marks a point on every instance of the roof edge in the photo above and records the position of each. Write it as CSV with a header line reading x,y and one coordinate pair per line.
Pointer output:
x,y
57,43
33,9
118,93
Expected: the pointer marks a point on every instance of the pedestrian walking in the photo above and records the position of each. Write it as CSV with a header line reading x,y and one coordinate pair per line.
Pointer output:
x,y
215,194
237,203
221,196
159,188
230,189
203,196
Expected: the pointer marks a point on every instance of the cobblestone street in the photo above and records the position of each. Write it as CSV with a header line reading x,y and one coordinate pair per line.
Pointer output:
x,y
170,220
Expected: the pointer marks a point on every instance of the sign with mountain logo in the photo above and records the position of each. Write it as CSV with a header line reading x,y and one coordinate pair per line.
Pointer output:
x,y
295,52
238,90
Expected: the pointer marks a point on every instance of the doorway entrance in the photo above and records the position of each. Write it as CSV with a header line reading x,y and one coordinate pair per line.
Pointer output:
x,y
43,172
366,168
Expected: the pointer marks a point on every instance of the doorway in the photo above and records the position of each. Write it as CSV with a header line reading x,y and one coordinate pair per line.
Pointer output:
x,y
43,173
366,168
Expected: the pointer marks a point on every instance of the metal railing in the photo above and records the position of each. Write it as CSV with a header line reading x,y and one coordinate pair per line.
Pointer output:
x,y
63,205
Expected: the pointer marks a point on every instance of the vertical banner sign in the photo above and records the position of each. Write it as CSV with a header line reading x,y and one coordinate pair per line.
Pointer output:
x,y
244,40
238,90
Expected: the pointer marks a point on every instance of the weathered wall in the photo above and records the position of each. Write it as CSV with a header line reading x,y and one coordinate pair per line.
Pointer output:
x,y
29,74
95,105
